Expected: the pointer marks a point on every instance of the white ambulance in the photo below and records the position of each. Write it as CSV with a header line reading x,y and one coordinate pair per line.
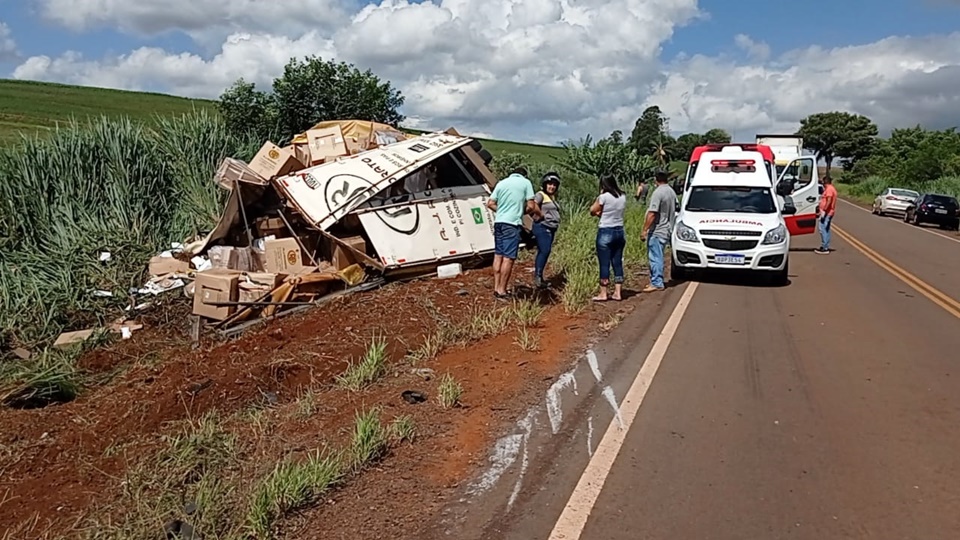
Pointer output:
x,y
730,217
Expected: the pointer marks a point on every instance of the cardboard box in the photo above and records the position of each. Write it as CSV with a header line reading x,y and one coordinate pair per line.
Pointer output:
x,y
232,171
254,285
355,145
245,260
69,339
161,266
284,256
272,161
215,285
270,226
300,151
220,256
343,258
326,143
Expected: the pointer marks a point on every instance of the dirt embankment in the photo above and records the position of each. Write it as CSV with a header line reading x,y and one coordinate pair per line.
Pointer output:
x,y
66,468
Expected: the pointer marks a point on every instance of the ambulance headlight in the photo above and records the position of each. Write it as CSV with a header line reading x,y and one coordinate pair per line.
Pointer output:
x,y
777,235
686,233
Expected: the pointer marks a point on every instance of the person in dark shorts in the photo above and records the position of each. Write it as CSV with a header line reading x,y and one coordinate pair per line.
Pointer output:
x,y
511,198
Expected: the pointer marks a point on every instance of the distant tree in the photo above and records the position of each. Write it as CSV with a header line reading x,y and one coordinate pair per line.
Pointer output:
x,y
715,136
247,110
649,130
310,91
838,135
684,145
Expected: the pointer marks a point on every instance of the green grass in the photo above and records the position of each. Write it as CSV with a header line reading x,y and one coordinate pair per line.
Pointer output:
x,y
292,485
574,253
30,108
449,392
371,367
538,153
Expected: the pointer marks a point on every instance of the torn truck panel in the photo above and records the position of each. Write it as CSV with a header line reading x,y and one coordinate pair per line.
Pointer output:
x,y
430,226
326,193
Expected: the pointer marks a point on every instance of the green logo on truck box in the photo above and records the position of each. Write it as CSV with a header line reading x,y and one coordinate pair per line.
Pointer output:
x,y
477,215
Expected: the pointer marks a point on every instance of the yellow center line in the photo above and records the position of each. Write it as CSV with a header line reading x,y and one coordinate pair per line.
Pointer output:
x,y
935,295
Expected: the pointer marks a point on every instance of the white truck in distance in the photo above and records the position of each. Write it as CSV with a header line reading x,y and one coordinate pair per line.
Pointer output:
x,y
800,169
731,218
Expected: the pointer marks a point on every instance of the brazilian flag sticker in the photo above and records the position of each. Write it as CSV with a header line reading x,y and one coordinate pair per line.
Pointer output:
x,y
477,215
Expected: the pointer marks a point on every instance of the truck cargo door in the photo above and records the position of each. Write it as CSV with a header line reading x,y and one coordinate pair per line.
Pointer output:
x,y
805,195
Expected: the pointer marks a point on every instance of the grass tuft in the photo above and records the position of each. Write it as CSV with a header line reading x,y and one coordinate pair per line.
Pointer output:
x,y
370,439
50,376
449,392
527,340
527,312
292,485
369,369
403,428
432,346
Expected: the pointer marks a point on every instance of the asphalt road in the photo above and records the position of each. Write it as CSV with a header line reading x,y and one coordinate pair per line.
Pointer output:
x,y
826,409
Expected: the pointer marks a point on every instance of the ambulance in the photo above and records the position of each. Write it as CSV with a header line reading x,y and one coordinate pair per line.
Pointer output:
x,y
731,216
792,175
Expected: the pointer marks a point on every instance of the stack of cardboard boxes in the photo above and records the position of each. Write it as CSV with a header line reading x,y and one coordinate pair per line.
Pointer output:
x,y
246,274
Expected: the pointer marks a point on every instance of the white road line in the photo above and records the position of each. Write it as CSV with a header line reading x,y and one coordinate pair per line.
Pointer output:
x,y
575,514
928,231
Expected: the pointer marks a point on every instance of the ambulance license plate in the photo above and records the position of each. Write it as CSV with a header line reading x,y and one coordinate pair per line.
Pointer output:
x,y
726,258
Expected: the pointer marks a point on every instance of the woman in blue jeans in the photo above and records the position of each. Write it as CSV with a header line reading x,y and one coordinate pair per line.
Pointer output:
x,y
610,207
545,230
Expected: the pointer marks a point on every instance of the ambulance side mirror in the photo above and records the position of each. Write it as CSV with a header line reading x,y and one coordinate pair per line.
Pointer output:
x,y
785,187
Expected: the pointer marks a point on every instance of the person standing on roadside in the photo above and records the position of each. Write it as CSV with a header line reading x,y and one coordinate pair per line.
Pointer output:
x,y
611,239
826,210
643,190
511,198
657,228
545,229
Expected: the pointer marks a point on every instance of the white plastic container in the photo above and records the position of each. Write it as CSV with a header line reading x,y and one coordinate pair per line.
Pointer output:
x,y
448,271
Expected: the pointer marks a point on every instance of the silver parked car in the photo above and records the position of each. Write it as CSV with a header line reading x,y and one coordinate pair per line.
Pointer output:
x,y
894,201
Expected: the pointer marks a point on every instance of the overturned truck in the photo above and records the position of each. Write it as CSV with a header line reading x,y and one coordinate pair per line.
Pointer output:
x,y
345,202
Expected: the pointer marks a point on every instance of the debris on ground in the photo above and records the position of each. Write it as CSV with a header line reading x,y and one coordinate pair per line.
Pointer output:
x,y
346,203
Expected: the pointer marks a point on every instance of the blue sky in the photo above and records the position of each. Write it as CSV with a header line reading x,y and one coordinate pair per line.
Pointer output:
x,y
827,23
581,79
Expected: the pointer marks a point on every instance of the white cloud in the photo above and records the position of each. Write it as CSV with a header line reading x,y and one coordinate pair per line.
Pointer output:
x,y
8,47
898,81
756,50
255,57
205,20
538,70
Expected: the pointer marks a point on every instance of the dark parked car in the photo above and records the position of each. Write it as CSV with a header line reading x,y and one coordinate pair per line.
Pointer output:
x,y
942,210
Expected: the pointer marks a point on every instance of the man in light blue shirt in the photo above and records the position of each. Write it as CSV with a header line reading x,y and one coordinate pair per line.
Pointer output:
x,y
511,198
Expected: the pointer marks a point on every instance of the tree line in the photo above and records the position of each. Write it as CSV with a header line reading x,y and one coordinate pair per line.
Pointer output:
x,y
913,155
313,89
